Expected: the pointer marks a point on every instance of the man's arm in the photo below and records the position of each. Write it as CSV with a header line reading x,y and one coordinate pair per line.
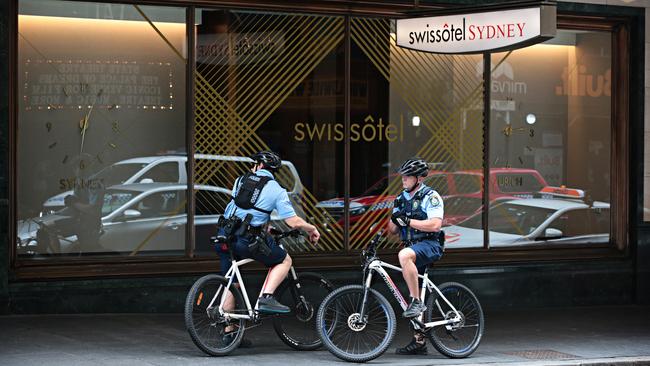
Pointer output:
x,y
296,222
429,225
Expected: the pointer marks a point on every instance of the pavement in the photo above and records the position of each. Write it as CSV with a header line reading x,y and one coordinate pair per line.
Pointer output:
x,y
556,336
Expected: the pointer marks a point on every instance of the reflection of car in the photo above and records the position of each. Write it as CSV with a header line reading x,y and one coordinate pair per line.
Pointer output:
x,y
135,218
159,169
374,199
534,221
461,191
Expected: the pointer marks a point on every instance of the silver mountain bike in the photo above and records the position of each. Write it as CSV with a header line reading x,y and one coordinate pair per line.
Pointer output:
x,y
356,323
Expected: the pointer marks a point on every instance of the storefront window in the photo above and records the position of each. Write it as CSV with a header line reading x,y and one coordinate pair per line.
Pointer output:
x,y
101,129
272,81
417,104
550,142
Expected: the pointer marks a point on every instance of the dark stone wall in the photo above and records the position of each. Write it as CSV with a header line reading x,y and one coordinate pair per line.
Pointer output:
x,y
510,286
4,154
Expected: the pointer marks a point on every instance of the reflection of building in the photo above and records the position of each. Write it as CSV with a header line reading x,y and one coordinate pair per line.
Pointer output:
x,y
93,84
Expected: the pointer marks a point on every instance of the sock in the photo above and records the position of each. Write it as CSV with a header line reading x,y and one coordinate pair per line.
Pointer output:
x,y
267,295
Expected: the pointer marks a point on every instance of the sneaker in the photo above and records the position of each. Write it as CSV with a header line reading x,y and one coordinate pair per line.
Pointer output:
x,y
413,348
416,307
269,305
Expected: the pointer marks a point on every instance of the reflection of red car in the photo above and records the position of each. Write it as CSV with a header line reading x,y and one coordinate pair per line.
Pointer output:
x,y
461,191
373,199
505,184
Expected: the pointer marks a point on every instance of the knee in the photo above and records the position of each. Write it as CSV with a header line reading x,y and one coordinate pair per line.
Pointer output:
x,y
287,260
405,256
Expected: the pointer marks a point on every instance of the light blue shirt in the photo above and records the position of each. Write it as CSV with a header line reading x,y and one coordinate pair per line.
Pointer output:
x,y
272,197
431,204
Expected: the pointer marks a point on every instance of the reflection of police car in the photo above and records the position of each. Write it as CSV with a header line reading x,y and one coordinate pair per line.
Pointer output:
x,y
162,169
135,218
558,217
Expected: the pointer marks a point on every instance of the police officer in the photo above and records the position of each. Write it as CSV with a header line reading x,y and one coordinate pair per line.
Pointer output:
x,y
417,218
270,196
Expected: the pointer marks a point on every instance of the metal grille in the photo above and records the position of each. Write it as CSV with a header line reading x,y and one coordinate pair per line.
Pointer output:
x,y
541,354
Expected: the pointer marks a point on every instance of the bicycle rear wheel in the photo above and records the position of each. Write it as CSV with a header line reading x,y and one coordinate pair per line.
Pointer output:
x,y
347,336
209,331
461,339
298,328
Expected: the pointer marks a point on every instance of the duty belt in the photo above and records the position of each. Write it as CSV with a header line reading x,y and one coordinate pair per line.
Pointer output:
x,y
255,230
409,242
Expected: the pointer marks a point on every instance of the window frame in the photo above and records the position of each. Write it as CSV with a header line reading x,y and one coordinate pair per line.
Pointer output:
x,y
61,268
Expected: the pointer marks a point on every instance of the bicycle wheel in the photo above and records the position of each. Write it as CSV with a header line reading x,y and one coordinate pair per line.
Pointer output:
x,y
298,328
341,329
210,332
461,339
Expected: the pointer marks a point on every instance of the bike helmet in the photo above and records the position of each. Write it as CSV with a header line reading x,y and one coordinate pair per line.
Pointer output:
x,y
414,167
270,159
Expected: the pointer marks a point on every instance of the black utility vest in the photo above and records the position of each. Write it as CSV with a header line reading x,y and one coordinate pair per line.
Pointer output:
x,y
413,209
248,192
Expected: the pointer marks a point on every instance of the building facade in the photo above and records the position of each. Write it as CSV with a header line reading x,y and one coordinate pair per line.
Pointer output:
x,y
124,127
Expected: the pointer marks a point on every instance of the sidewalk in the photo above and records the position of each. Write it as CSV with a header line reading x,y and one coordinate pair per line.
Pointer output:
x,y
573,336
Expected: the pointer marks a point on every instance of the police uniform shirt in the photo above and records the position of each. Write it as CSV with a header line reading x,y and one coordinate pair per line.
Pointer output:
x,y
431,203
273,197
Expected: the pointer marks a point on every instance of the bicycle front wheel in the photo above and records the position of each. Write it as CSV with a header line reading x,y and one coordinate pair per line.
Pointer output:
x,y
345,334
298,328
210,331
461,339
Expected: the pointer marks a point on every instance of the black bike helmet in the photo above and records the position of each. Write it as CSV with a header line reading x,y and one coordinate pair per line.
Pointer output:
x,y
270,159
414,167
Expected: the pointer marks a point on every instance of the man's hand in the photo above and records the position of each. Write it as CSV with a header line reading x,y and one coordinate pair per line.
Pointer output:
x,y
400,219
314,235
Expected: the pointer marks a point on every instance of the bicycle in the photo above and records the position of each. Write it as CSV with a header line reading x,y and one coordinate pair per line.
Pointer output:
x,y
356,323
207,322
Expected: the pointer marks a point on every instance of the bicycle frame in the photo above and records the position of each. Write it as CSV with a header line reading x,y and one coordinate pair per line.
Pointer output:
x,y
377,266
234,273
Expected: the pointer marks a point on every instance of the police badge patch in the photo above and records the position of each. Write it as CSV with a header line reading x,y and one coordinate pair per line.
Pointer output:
x,y
416,203
435,202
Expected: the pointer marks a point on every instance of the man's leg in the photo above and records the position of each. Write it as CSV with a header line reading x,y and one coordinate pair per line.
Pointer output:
x,y
277,274
267,303
407,259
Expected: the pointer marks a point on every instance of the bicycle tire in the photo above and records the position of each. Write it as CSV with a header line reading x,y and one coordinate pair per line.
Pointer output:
x,y
298,329
446,341
334,312
196,316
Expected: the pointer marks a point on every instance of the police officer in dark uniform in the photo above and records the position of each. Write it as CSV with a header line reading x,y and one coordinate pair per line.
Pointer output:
x,y
417,218
256,195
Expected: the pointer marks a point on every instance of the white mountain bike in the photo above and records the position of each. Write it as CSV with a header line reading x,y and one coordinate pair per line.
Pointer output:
x,y
356,323
218,332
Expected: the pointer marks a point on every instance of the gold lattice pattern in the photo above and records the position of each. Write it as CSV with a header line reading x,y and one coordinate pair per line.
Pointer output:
x,y
411,74
233,98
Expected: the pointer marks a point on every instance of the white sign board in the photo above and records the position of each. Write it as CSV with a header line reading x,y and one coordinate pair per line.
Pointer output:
x,y
476,32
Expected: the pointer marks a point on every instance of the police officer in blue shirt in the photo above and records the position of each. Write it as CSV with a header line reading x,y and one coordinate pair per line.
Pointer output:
x,y
417,218
257,194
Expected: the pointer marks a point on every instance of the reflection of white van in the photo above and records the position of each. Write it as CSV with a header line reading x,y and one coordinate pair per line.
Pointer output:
x,y
163,169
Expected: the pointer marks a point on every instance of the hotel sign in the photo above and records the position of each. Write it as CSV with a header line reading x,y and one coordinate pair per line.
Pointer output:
x,y
478,32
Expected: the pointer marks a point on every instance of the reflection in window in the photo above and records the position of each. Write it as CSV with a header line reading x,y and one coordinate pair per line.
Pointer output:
x,y
550,126
103,93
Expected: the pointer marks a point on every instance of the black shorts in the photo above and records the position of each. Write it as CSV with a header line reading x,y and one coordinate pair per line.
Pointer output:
x,y
241,251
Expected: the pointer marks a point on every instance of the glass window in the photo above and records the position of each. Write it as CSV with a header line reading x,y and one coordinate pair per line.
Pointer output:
x,y
551,127
101,99
210,202
162,172
416,104
268,81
